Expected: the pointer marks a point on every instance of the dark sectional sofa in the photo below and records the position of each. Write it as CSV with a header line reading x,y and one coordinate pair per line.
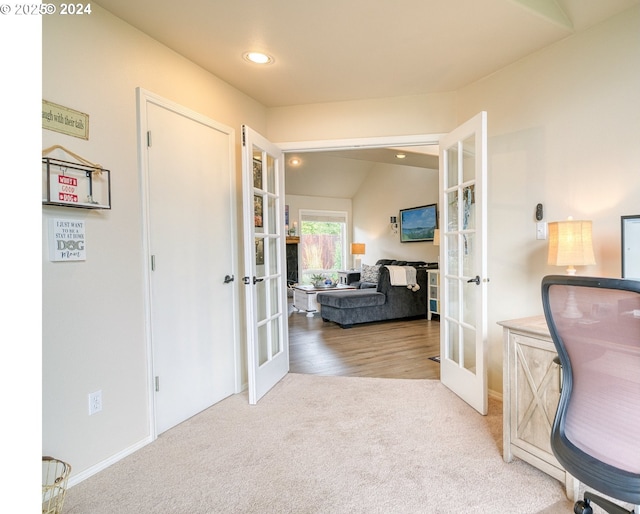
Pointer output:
x,y
376,302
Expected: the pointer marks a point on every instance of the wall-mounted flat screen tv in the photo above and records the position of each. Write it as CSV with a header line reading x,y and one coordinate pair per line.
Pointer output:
x,y
418,223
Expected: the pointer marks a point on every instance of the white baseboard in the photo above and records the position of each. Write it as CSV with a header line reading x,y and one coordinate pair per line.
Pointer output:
x,y
495,395
76,479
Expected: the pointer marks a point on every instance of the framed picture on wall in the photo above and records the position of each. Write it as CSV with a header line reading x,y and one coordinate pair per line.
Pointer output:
x,y
418,223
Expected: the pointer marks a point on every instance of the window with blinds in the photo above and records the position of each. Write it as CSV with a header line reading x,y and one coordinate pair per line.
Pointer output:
x,y
323,244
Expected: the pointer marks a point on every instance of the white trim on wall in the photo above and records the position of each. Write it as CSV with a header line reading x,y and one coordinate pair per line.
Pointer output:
x,y
363,142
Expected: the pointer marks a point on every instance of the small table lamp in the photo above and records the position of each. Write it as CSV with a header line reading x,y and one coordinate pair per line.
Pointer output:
x,y
570,244
357,250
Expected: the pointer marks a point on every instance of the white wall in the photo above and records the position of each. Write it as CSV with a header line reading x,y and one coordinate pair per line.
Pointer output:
x,y
407,115
93,311
386,190
563,130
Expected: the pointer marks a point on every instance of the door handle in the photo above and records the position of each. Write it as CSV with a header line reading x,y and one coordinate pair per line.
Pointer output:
x,y
476,280
228,279
257,280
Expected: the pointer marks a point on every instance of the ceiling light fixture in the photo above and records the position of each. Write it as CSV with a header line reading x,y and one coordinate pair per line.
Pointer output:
x,y
295,161
258,58
401,156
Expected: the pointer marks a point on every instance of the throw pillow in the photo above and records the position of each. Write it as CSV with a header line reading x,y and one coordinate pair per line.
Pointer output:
x,y
370,273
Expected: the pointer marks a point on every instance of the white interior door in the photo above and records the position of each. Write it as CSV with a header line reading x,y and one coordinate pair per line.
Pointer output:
x,y
190,177
463,262
265,263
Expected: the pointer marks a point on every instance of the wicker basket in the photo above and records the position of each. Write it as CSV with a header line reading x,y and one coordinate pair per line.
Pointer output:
x,y
55,475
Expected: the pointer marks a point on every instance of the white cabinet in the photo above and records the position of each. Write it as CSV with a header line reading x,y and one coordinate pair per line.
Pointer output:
x,y
531,390
433,295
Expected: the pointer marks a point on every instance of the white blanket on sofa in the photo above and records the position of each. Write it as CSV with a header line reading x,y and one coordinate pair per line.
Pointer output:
x,y
402,275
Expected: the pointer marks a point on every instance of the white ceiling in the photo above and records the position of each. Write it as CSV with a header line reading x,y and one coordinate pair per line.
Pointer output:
x,y
340,50
333,50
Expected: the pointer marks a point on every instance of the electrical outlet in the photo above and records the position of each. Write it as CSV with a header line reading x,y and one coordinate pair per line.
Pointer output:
x,y
95,402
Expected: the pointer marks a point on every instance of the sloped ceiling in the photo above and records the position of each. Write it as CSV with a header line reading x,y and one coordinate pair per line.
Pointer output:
x,y
340,50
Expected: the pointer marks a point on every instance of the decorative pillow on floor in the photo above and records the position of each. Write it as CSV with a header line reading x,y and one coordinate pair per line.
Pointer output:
x,y
370,273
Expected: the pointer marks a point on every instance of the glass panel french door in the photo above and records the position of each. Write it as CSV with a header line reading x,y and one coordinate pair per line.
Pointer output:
x,y
265,263
463,332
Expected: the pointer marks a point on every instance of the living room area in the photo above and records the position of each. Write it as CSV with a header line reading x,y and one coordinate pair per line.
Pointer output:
x,y
366,190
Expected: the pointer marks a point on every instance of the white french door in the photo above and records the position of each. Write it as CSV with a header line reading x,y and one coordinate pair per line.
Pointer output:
x,y
265,263
463,261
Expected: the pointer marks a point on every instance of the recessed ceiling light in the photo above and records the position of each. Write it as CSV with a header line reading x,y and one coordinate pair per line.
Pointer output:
x,y
258,58
401,156
295,161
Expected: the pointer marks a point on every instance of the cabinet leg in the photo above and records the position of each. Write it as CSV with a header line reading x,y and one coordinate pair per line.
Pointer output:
x,y
572,487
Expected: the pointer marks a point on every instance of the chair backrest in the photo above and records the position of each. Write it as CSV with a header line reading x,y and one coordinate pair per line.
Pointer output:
x,y
595,326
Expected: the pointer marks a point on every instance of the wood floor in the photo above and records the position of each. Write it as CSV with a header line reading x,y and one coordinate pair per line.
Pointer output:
x,y
390,349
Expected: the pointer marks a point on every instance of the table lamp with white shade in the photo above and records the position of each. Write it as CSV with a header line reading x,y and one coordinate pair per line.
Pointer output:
x,y
571,244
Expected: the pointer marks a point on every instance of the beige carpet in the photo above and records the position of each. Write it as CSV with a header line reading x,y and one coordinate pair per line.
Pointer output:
x,y
327,445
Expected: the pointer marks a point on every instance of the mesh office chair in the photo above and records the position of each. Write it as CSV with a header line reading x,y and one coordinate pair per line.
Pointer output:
x,y
595,326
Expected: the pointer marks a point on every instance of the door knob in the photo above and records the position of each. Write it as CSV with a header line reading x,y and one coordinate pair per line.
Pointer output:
x,y
228,278
257,280
476,280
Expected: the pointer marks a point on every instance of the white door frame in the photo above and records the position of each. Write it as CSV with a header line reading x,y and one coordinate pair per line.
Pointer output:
x,y
363,142
142,98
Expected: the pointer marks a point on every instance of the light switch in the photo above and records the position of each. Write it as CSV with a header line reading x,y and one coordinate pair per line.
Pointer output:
x,y
541,230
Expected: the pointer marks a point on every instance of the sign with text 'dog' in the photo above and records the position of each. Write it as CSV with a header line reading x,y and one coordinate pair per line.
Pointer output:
x,y
67,240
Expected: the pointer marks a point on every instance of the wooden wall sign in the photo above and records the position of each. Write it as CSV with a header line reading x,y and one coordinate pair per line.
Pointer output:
x,y
65,120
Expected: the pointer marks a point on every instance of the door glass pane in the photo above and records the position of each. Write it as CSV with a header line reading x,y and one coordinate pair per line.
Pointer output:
x,y
452,254
273,297
453,298
272,246
258,213
263,345
469,346
452,159
257,168
271,217
271,174
453,352
469,159
260,270
452,210
275,337
469,268
261,301
469,308
469,208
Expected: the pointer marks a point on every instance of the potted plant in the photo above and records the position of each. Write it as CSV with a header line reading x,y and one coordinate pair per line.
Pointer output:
x,y
317,280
